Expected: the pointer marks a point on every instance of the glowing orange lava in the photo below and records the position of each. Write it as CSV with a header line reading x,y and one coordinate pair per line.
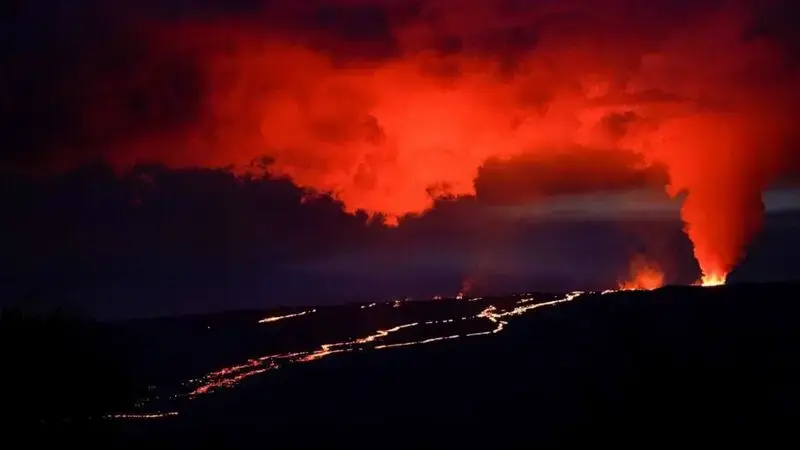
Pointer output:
x,y
466,288
645,276
713,279
287,316
231,376
134,416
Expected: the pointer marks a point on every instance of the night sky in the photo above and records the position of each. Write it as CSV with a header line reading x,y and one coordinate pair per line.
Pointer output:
x,y
167,156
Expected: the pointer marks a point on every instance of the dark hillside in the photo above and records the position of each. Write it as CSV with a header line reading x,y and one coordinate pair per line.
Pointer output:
x,y
677,361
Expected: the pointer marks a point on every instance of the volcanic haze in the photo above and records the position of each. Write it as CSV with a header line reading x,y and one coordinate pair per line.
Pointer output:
x,y
388,105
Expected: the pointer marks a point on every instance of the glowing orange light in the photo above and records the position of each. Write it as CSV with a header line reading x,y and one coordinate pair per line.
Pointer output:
x,y
287,316
231,376
713,279
137,416
645,276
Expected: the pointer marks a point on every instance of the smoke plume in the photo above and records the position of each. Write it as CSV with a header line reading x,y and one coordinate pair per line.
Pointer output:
x,y
388,105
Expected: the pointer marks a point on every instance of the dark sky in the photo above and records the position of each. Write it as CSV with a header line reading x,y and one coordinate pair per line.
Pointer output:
x,y
173,156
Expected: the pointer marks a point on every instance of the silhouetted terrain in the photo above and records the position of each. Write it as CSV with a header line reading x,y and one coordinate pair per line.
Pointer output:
x,y
638,367
60,373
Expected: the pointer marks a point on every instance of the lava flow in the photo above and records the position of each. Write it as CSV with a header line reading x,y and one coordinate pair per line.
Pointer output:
x,y
287,316
231,376
143,416
645,276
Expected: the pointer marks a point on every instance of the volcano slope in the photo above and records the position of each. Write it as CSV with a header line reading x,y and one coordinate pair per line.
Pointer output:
x,y
640,365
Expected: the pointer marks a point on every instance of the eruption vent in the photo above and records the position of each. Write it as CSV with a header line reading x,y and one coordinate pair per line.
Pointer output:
x,y
644,276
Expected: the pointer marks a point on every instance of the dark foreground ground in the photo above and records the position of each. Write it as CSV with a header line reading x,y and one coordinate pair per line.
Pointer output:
x,y
696,365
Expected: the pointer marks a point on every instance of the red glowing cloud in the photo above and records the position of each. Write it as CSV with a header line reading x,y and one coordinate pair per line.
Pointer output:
x,y
414,108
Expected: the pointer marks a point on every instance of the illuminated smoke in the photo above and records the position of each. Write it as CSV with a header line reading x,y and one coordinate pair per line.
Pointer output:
x,y
644,275
693,90
466,287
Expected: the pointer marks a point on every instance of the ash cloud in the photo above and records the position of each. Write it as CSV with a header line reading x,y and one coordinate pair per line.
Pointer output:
x,y
387,104
528,178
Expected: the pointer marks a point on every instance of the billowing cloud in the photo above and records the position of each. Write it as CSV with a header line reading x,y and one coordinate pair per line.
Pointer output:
x,y
527,178
389,104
